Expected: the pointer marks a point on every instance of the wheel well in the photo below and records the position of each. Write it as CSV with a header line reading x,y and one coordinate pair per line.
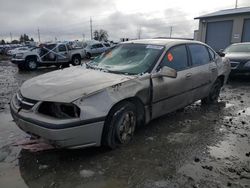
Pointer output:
x,y
140,111
76,55
221,78
31,57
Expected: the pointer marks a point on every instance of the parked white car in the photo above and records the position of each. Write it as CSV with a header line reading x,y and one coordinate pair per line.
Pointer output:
x,y
18,50
94,48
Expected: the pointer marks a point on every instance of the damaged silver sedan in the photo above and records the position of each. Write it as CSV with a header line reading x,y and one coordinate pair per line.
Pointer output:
x,y
102,102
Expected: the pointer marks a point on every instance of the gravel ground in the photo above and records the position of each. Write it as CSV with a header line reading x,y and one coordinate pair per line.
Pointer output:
x,y
198,147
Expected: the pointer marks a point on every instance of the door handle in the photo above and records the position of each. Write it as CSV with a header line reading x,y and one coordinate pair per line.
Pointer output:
x,y
188,75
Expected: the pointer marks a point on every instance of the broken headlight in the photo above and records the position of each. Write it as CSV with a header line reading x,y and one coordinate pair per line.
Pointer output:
x,y
59,110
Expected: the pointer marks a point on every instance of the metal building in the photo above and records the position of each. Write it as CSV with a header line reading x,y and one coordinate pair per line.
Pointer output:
x,y
222,28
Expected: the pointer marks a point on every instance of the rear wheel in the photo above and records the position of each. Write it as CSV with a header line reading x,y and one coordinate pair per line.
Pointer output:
x,y
31,64
214,93
76,60
120,125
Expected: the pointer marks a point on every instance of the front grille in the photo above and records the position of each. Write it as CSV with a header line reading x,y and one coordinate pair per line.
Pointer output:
x,y
23,102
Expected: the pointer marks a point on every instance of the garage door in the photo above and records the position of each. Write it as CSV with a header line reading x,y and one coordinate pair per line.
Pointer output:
x,y
219,34
246,31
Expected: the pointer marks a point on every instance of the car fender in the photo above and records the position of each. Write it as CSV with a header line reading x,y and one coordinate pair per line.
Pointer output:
x,y
100,103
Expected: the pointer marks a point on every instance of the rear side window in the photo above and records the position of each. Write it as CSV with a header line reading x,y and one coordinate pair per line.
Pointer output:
x,y
176,58
199,54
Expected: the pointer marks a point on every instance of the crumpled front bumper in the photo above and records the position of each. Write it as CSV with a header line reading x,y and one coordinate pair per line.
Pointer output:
x,y
77,134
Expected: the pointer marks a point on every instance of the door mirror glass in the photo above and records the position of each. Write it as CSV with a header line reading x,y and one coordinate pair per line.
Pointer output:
x,y
221,54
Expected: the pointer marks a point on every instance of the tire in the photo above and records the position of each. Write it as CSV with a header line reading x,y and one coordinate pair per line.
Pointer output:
x,y
88,55
213,94
119,126
76,60
31,64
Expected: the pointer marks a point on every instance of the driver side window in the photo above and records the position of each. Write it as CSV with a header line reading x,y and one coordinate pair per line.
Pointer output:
x,y
62,48
176,58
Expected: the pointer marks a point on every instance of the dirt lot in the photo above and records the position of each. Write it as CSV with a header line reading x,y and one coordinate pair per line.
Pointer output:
x,y
198,147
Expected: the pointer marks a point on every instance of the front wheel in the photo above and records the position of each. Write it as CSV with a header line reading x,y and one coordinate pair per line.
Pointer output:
x,y
31,64
120,125
213,94
76,60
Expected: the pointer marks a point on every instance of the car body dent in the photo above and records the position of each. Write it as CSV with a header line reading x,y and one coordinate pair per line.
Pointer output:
x,y
98,104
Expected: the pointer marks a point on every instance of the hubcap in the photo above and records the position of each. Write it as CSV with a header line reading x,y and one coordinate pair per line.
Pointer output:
x,y
77,62
32,64
127,127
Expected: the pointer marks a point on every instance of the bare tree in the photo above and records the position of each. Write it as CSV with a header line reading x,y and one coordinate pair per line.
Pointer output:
x,y
101,35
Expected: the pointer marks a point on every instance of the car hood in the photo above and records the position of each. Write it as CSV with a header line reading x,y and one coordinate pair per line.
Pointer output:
x,y
238,56
69,84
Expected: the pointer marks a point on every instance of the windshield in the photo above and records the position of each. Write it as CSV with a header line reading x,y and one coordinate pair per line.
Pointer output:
x,y
238,48
128,58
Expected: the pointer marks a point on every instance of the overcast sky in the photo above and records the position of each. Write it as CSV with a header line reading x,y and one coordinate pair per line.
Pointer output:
x,y
69,19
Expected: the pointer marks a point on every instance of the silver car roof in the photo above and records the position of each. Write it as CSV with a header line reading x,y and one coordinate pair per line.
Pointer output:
x,y
165,42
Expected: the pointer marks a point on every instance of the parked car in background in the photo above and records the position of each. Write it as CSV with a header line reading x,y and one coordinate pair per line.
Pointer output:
x,y
239,55
94,48
18,50
47,55
102,102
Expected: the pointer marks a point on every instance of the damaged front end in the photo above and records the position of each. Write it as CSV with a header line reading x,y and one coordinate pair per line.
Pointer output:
x,y
58,123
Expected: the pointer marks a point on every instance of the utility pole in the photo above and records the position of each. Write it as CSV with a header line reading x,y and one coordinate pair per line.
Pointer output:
x,y
139,31
91,33
10,37
236,4
83,37
171,30
38,32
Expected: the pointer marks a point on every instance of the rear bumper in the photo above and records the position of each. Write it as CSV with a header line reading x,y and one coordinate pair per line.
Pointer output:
x,y
82,134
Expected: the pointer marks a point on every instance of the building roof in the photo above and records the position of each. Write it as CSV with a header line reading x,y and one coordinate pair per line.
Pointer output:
x,y
244,10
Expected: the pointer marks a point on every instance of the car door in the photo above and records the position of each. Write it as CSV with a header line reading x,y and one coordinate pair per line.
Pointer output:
x,y
94,49
170,94
201,70
62,55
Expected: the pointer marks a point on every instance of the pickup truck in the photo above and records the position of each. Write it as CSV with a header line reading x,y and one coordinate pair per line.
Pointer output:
x,y
48,54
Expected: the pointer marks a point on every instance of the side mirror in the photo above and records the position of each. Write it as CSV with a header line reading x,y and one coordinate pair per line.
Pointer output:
x,y
221,54
165,72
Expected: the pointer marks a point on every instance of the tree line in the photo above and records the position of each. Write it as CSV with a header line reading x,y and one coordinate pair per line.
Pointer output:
x,y
22,38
